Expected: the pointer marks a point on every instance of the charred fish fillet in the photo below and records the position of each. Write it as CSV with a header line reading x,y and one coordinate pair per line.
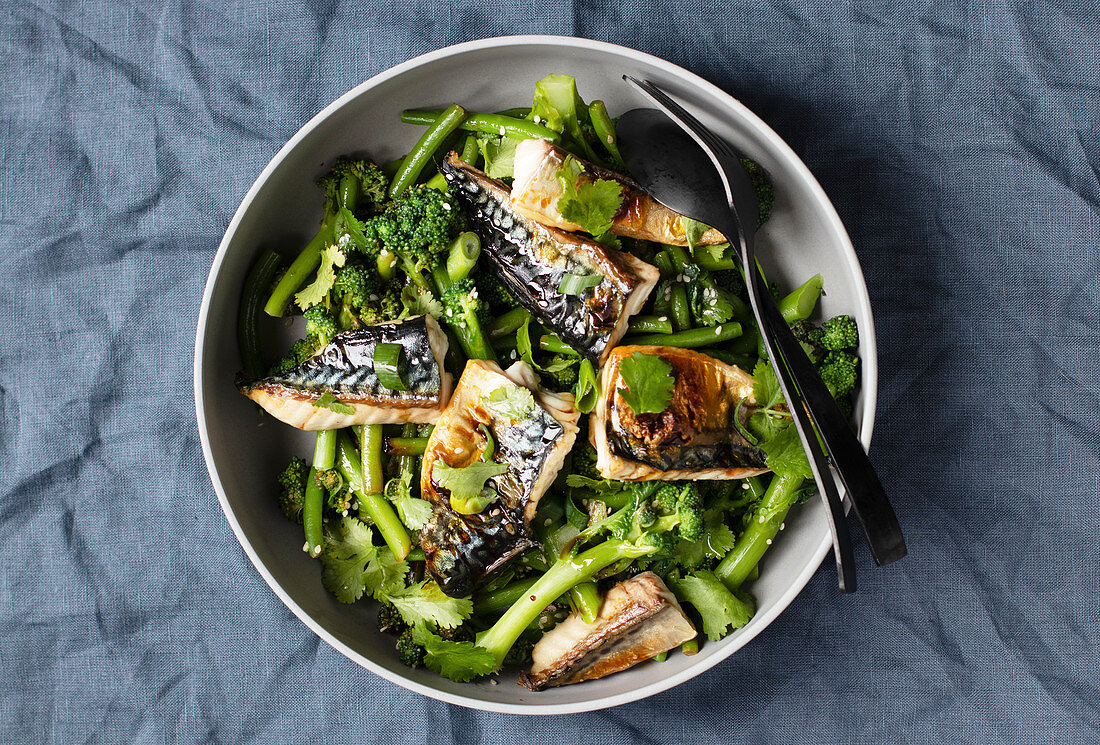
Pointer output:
x,y
345,369
536,189
639,619
531,261
695,437
464,551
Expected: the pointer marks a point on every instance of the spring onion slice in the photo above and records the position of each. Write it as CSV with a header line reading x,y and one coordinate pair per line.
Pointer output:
x,y
575,284
387,366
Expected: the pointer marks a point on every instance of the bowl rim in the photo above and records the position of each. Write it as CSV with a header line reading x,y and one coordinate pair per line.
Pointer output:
x,y
869,388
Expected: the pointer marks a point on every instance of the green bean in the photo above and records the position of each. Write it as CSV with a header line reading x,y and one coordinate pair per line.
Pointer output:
x,y
300,269
434,136
520,112
746,343
744,361
462,256
679,308
391,168
370,438
663,263
493,124
801,303
417,554
605,129
506,324
705,258
494,601
690,647
650,324
406,445
586,601
660,657
692,338
248,315
470,151
376,506
554,345
324,454
761,527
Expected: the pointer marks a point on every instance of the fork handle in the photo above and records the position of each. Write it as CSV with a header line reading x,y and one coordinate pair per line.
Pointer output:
x,y
876,516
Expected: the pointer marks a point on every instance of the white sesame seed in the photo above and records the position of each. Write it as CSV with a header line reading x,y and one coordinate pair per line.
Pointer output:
x,y
493,681
316,551
744,486
374,297
502,131
769,541
717,330
538,119
663,319
782,525
547,522
446,206
305,546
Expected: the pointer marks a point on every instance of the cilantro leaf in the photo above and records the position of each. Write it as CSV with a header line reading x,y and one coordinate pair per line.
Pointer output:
x,y
424,602
722,611
649,383
718,540
786,456
693,231
420,302
469,495
765,385
457,661
330,402
500,155
591,205
348,224
514,402
331,257
413,511
352,565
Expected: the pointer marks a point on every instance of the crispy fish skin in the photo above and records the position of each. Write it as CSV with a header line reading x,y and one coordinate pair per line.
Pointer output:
x,y
462,552
345,368
639,619
536,189
695,438
531,259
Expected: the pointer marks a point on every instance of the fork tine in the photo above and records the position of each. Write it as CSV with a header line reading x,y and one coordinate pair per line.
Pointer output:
x,y
715,143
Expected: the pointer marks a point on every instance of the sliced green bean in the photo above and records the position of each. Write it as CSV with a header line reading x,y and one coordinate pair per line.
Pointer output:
x,y
554,345
690,647
470,151
462,256
376,506
506,324
605,129
256,285
801,303
370,438
434,136
692,338
300,270
493,124
324,455
406,445
650,325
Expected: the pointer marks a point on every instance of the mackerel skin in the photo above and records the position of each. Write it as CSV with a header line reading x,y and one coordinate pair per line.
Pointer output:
x,y
345,369
531,259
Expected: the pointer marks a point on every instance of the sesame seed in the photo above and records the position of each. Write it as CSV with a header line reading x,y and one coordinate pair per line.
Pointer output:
x,y
769,541
744,486
493,681
502,131
782,525
547,522
538,119
717,330
446,206
663,318
305,546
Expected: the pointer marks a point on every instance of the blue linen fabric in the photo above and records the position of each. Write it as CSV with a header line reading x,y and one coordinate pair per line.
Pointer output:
x,y
960,142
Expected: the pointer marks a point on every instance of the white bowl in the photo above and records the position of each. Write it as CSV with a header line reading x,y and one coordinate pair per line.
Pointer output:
x,y
244,450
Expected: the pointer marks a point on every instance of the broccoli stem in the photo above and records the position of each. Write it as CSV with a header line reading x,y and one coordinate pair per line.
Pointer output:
x,y
763,525
462,256
405,446
692,338
434,136
324,454
493,124
495,601
801,303
679,309
248,334
586,601
564,574
376,506
650,324
507,323
554,345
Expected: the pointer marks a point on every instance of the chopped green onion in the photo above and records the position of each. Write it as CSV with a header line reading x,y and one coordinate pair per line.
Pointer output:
x,y
387,366
575,284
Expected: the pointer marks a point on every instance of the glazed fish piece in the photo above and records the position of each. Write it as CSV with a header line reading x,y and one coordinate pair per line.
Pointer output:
x,y
345,369
536,189
464,551
531,260
639,619
696,437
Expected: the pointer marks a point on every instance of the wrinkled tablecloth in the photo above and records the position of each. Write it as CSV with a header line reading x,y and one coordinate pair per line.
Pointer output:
x,y
959,142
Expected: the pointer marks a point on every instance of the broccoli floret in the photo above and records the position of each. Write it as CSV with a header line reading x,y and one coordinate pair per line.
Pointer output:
x,y
319,324
390,620
339,499
765,192
839,371
840,333
561,378
810,338
682,503
408,651
364,297
292,488
463,311
520,653
493,293
419,226
584,460
371,183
